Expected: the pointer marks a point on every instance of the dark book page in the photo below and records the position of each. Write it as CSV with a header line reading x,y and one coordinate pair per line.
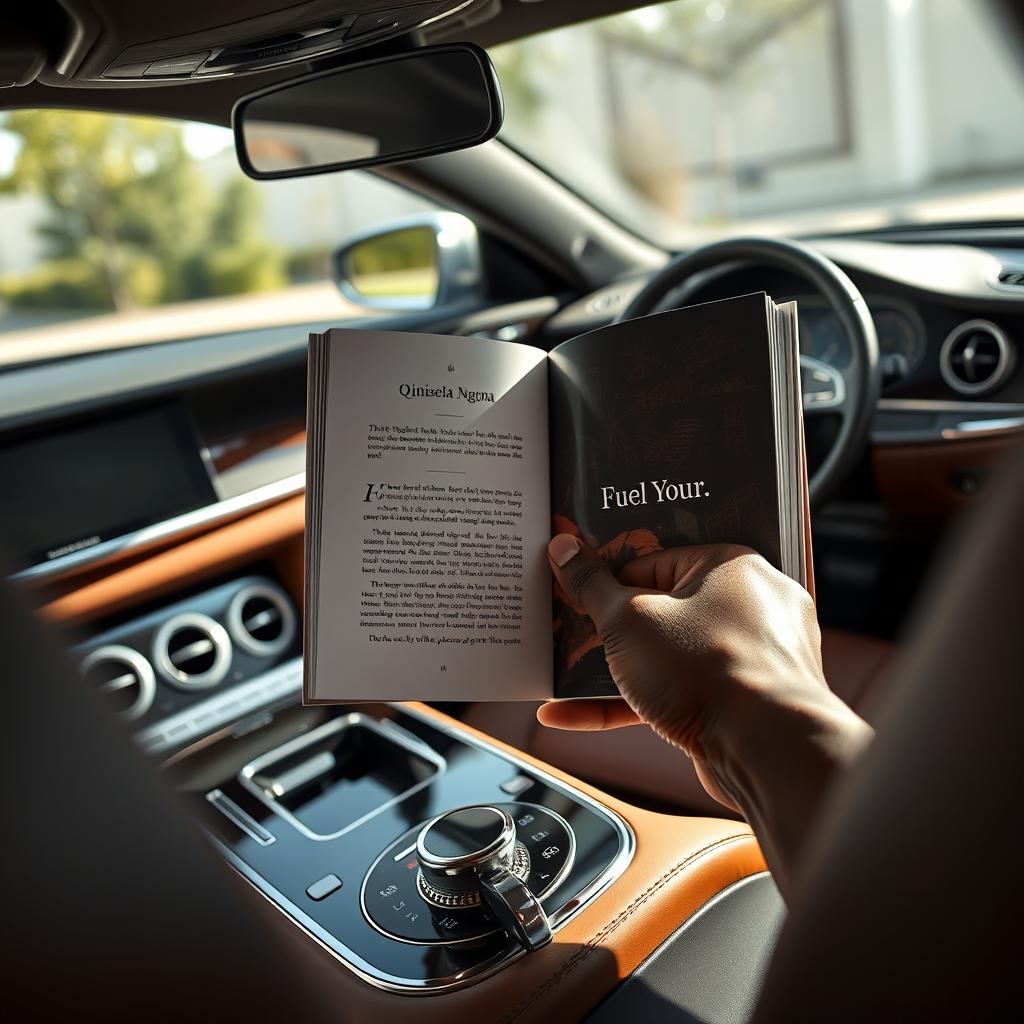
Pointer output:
x,y
663,434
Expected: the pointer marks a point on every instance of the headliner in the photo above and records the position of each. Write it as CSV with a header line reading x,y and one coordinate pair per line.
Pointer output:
x,y
123,23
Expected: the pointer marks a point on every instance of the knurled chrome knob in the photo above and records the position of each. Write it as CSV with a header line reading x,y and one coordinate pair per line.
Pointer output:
x,y
469,857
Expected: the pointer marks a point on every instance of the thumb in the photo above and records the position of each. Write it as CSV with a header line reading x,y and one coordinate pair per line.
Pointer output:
x,y
585,578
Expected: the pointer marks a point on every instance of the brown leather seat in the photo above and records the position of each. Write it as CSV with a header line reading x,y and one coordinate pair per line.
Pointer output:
x,y
910,902
636,761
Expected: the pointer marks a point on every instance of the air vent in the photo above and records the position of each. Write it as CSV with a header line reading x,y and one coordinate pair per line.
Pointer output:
x,y
1012,277
192,651
261,620
123,678
976,358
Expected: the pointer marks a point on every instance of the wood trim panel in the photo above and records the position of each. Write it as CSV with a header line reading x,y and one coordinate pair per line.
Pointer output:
x,y
921,483
234,451
274,531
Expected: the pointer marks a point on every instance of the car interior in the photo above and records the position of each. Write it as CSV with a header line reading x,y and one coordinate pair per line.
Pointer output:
x,y
184,837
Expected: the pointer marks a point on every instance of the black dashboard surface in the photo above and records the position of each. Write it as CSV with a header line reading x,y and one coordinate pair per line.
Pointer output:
x,y
235,383
62,498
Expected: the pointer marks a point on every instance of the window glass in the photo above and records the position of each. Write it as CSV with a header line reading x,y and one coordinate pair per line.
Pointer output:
x,y
127,229
697,117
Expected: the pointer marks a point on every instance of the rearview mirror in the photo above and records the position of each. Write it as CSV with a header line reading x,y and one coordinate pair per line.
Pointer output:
x,y
409,105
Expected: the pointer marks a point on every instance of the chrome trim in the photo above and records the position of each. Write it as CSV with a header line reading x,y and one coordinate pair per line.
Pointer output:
x,y
520,867
505,840
351,960
243,638
239,818
442,898
191,682
945,405
143,670
547,891
168,530
281,686
984,428
390,983
248,772
1004,365
823,373
950,420
1011,289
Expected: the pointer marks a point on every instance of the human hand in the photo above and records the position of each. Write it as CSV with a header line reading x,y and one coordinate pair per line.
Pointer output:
x,y
720,654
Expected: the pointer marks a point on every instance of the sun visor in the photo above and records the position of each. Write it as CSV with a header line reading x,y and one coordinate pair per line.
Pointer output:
x,y
22,57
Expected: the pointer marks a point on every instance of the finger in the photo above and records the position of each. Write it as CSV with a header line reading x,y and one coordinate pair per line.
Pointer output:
x,y
584,577
587,715
675,569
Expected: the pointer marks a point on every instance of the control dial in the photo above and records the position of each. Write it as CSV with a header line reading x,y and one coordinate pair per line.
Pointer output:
x,y
470,873
470,857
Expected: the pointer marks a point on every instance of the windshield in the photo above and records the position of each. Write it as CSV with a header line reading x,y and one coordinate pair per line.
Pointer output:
x,y
696,118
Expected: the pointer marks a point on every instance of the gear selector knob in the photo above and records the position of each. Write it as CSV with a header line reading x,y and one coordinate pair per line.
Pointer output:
x,y
470,858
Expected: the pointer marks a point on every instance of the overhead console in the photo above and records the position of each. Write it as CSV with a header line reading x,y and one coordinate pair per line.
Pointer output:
x,y
289,34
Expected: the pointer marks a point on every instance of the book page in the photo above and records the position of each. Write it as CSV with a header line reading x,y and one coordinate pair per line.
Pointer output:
x,y
430,579
663,434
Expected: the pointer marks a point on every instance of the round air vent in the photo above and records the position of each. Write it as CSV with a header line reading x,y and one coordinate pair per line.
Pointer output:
x,y
261,620
192,651
123,677
976,358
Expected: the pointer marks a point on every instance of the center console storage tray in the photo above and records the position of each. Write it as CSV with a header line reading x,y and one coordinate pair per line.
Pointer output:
x,y
333,778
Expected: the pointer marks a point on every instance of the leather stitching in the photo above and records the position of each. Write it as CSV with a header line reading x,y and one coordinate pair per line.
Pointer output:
x,y
581,954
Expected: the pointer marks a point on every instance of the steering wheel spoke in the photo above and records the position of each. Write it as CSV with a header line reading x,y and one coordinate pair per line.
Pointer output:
x,y
822,385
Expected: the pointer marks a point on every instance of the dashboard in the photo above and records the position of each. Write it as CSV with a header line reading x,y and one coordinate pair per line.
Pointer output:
x,y
108,455
152,469
902,340
188,667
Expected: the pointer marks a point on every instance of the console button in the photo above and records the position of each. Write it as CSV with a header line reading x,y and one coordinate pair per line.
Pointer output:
x,y
322,889
516,785
392,902
398,17
181,65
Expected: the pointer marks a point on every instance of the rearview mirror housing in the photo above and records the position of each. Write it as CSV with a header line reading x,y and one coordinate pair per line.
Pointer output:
x,y
387,110
424,262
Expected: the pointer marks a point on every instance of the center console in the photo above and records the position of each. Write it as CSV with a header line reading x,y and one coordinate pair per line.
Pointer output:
x,y
398,851
422,859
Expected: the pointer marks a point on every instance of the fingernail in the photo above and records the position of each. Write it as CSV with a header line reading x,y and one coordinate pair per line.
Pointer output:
x,y
562,548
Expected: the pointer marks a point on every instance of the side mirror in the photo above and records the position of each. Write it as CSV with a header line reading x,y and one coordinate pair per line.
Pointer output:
x,y
425,262
382,111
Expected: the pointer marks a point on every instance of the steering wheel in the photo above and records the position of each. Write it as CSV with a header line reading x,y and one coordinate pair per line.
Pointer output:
x,y
851,394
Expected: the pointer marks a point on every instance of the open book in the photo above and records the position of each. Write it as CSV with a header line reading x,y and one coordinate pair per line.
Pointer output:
x,y
439,467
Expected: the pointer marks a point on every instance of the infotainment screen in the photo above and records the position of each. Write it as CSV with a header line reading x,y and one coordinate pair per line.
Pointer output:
x,y
73,487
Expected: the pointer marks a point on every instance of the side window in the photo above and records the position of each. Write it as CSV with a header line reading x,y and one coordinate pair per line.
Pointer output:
x,y
137,219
